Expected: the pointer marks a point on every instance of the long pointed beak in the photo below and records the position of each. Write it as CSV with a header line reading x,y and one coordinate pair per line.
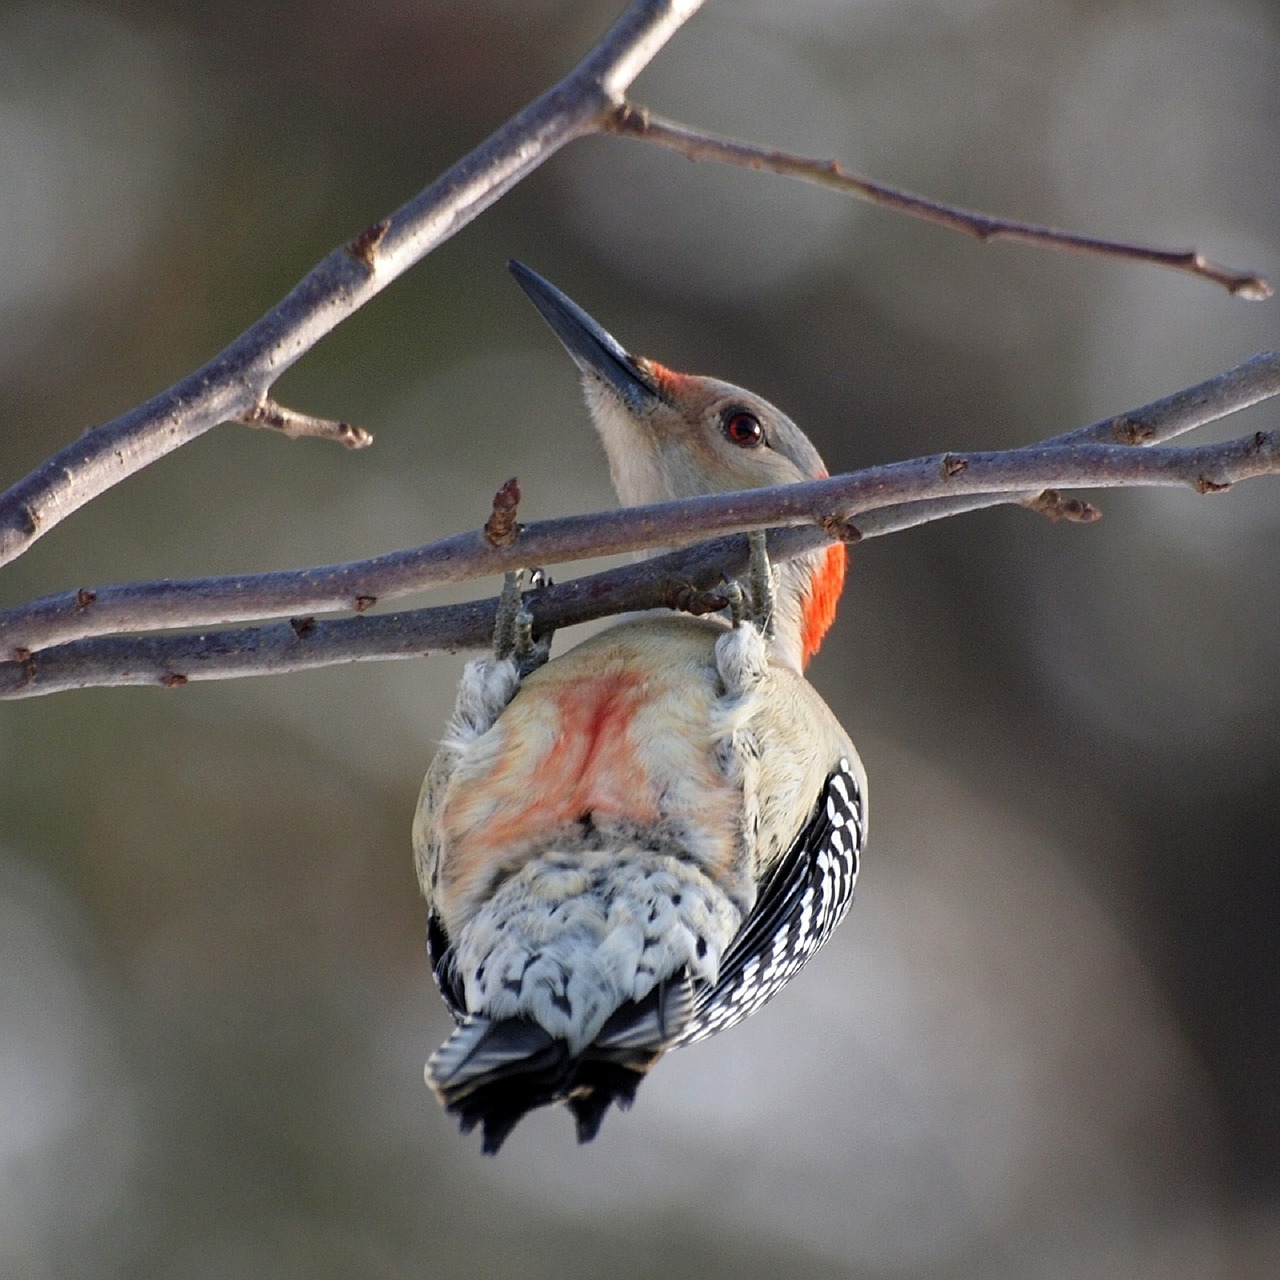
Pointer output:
x,y
594,349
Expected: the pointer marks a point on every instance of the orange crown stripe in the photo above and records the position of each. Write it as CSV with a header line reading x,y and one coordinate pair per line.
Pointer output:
x,y
670,383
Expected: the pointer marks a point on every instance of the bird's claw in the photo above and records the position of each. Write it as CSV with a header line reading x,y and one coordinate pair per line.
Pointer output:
x,y
754,602
737,600
513,625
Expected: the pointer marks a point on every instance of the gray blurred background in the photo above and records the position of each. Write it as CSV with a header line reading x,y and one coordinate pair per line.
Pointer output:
x,y
1047,1041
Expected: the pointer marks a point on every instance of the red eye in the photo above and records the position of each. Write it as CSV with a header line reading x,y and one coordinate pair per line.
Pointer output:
x,y
743,428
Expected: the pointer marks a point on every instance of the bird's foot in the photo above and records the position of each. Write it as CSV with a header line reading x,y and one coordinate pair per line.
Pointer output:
x,y
742,655
513,636
754,603
488,684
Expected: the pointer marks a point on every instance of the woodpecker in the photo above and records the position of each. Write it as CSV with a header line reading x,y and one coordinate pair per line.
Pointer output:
x,y
636,844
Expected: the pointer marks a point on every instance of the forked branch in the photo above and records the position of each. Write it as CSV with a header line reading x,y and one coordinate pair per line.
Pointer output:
x,y
145,606
234,386
236,381
669,581
67,641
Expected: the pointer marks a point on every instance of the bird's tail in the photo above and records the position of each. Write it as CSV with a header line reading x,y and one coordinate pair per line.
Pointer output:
x,y
493,1073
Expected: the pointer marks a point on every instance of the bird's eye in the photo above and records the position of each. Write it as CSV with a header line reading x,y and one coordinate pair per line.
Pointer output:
x,y
742,427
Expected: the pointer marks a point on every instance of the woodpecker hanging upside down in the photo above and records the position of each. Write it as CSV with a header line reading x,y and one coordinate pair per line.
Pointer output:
x,y
638,843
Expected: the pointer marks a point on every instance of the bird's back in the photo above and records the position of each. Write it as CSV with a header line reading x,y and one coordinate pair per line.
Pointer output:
x,y
590,858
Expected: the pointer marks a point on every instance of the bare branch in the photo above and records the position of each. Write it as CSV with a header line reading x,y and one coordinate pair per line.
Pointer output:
x,y
684,579
234,381
255,651
234,385
212,601
629,120
1250,383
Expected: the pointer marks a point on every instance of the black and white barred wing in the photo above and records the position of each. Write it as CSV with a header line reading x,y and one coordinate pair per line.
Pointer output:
x,y
806,897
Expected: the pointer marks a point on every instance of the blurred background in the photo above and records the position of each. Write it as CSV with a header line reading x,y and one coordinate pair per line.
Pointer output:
x,y
1046,1043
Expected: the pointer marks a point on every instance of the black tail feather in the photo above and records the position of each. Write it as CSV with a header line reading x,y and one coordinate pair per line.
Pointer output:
x,y
493,1074
602,1083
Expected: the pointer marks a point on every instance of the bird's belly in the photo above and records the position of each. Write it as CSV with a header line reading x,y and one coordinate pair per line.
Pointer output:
x,y
599,746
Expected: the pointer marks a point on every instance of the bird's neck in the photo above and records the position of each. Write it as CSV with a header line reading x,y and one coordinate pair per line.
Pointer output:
x,y
808,592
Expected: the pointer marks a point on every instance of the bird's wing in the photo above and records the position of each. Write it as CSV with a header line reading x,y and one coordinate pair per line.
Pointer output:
x,y
804,899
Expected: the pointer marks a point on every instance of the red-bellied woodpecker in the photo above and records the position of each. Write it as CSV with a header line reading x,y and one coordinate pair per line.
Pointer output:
x,y
638,843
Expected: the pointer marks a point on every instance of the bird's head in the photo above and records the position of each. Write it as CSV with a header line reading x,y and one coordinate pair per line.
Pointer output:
x,y
677,435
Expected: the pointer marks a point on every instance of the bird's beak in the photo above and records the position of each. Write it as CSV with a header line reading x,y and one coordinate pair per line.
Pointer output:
x,y
594,349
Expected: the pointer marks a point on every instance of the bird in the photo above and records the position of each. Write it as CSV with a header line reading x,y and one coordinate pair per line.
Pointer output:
x,y
635,844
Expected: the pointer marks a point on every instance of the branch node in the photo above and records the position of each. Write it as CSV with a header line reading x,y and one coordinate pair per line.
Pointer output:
x,y
1253,288
1241,284
1204,485
173,680
364,248
1053,506
351,436
1128,430
686,598
365,602
303,626
840,529
953,464
501,529
629,117
84,598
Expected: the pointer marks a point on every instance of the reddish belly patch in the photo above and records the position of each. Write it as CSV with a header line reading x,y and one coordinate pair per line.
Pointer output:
x,y
536,790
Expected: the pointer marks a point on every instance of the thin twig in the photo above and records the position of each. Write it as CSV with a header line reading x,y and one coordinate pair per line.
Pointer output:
x,y
212,601
632,121
171,660
234,381
269,414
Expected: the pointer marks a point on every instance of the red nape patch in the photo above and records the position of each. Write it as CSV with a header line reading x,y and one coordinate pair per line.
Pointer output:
x,y
821,599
